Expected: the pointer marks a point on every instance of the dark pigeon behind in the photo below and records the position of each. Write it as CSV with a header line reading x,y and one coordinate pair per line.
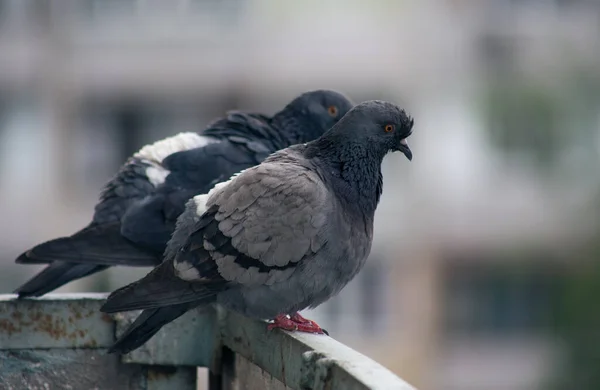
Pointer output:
x,y
279,237
138,208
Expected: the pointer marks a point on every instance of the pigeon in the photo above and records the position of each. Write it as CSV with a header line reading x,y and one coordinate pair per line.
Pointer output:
x,y
278,237
136,214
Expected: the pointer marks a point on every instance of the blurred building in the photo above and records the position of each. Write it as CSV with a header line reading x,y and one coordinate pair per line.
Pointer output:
x,y
471,240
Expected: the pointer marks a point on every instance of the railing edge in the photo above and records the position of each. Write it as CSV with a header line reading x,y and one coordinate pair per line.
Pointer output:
x,y
301,360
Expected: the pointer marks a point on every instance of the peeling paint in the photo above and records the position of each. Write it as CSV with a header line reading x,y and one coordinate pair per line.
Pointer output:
x,y
44,323
60,343
6,326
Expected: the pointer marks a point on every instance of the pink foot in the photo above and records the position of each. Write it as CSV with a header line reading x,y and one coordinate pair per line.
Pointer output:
x,y
297,318
296,323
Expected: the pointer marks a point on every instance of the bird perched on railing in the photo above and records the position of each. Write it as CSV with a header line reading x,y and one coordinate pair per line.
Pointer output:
x,y
277,238
138,208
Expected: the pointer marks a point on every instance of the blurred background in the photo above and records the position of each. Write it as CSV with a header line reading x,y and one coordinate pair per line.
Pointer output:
x,y
485,270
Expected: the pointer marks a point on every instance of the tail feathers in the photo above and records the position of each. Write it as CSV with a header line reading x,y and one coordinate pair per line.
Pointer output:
x,y
54,276
147,324
160,288
44,253
101,245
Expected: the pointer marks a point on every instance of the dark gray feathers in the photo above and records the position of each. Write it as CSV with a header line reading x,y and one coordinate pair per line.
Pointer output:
x,y
281,236
138,208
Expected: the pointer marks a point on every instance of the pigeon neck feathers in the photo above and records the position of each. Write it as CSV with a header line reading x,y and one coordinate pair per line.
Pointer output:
x,y
355,169
287,127
296,126
352,151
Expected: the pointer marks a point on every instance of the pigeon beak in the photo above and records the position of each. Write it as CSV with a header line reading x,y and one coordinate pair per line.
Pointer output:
x,y
405,149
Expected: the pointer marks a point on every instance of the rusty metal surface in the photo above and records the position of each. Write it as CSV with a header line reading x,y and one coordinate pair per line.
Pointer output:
x,y
187,341
55,321
59,341
65,369
75,321
305,361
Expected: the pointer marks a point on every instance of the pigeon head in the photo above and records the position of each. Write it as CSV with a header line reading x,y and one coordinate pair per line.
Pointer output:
x,y
351,153
382,126
309,115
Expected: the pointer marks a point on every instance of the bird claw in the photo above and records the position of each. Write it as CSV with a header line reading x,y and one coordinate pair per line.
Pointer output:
x,y
297,318
296,323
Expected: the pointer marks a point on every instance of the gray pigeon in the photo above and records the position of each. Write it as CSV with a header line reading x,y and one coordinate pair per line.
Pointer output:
x,y
277,238
138,208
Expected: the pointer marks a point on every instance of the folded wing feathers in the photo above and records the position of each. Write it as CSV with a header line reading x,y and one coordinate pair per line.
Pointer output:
x,y
159,288
262,226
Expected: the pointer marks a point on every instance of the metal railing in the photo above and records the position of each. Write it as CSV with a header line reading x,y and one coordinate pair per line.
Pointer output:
x,y
60,341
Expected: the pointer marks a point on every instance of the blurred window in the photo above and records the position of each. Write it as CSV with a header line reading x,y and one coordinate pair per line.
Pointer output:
x,y
107,133
23,16
109,130
3,11
23,145
499,299
119,9
99,9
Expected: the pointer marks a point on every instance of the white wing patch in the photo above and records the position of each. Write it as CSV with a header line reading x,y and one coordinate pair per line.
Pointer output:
x,y
156,174
155,153
201,200
159,150
186,271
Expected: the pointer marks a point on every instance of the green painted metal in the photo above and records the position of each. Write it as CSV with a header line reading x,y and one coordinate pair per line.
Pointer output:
x,y
55,321
305,361
187,341
77,369
75,321
170,378
60,340
68,369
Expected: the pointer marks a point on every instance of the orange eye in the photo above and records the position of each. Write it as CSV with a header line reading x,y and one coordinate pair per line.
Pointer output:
x,y
389,128
332,110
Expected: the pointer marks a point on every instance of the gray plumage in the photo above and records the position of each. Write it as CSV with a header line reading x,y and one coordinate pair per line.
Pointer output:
x,y
279,237
136,214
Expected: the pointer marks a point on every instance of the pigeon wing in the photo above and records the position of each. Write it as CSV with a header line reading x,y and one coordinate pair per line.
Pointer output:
x,y
256,228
